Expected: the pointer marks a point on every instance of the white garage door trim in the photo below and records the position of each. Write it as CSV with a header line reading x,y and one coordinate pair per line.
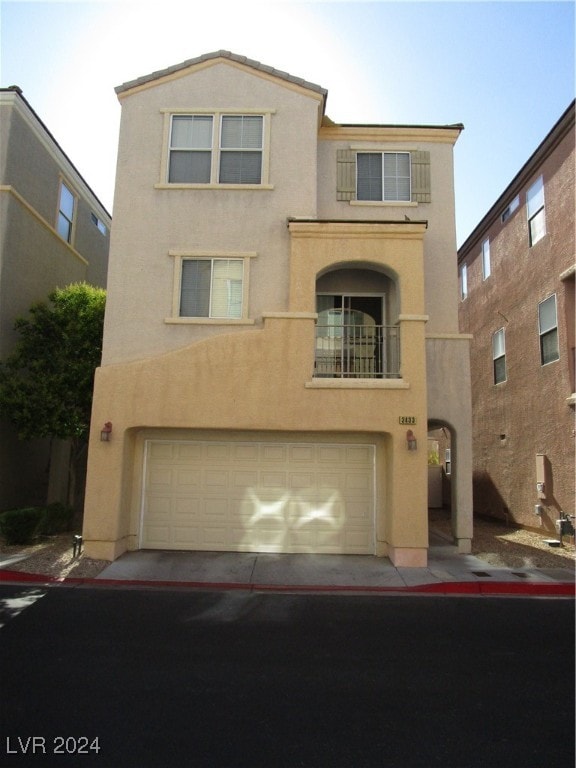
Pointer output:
x,y
258,496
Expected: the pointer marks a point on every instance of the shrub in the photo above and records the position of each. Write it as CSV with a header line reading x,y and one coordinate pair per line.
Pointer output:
x,y
56,518
18,526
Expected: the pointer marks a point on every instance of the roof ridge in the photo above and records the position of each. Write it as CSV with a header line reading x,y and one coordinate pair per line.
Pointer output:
x,y
221,54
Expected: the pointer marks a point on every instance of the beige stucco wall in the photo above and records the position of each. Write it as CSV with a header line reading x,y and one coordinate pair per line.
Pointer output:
x,y
261,381
211,385
440,242
229,220
450,405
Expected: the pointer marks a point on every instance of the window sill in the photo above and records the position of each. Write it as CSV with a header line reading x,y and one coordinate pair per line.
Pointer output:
x,y
357,384
208,321
386,203
572,399
215,186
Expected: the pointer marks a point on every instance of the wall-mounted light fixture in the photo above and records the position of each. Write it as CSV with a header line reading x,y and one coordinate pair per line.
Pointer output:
x,y
106,431
411,440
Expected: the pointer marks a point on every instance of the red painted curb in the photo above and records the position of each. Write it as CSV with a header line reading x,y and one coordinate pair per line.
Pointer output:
x,y
538,589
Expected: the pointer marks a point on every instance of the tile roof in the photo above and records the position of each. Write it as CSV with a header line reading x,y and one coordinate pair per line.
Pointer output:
x,y
222,55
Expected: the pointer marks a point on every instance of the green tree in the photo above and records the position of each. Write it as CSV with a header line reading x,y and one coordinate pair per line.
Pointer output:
x,y
46,383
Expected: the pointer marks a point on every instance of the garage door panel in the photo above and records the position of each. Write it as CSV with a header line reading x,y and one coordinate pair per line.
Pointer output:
x,y
259,497
186,452
359,511
186,507
161,477
159,533
246,453
245,479
302,453
218,452
158,451
358,454
186,536
273,480
213,537
274,453
358,484
215,508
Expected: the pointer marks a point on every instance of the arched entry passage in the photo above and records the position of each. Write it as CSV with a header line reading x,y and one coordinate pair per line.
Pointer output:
x,y
447,483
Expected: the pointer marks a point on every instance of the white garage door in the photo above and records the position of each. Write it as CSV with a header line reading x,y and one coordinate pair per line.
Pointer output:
x,y
259,497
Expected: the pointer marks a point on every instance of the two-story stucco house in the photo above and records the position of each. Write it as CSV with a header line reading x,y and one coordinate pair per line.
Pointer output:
x,y
53,231
281,327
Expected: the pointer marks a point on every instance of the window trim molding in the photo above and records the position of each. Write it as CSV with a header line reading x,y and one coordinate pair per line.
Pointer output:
x,y
217,114
541,333
541,210
64,182
502,331
182,255
463,280
486,260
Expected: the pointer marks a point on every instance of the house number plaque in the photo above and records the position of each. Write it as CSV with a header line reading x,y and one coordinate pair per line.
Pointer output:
x,y
407,419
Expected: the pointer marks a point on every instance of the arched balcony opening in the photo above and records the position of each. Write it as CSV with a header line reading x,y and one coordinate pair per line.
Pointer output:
x,y
357,332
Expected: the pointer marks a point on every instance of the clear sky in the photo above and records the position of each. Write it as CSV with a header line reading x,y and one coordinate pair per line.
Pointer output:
x,y
504,69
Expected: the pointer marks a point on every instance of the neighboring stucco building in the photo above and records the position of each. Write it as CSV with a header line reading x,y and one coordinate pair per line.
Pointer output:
x,y
53,231
517,300
281,325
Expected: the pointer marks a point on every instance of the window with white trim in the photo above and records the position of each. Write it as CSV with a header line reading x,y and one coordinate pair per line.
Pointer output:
x,y
216,149
486,259
463,281
66,211
499,356
548,330
535,210
211,288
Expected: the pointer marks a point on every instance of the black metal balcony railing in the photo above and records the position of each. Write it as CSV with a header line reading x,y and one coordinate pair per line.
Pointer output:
x,y
357,351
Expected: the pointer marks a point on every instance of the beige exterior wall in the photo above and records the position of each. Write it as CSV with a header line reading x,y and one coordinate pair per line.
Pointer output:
x,y
231,221
180,378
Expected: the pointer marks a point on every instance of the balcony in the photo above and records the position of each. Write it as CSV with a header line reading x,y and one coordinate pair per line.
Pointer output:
x,y
352,351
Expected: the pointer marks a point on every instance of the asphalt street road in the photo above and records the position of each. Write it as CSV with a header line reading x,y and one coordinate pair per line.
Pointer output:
x,y
148,677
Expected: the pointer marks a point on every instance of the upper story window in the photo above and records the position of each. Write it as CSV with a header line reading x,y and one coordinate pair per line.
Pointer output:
x,y
509,210
66,210
548,330
215,149
486,259
383,176
241,149
370,177
99,224
190,149
499,356
535,209
463,281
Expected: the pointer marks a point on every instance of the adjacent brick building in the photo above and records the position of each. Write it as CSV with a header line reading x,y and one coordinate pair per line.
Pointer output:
x,y
516,274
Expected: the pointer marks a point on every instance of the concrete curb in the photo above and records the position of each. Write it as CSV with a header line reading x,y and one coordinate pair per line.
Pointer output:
x,y
461,588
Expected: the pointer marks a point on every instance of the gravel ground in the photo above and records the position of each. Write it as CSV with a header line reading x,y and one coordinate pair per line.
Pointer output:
x,y
495,543
503,546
